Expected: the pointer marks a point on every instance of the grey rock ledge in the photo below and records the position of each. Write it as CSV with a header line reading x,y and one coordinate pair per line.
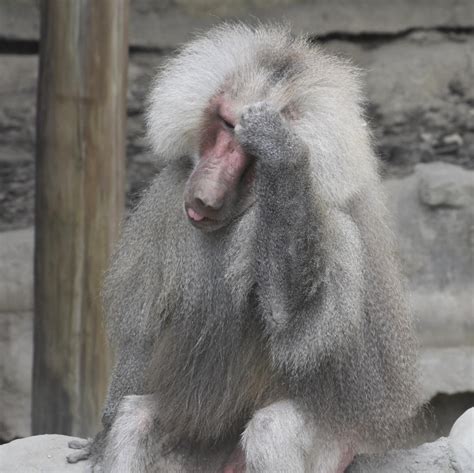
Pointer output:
x,y
455,453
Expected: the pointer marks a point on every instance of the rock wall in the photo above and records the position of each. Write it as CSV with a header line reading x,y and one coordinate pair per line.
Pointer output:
x,y
418,59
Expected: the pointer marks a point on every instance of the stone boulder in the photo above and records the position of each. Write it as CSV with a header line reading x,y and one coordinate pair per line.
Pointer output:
x,y
39,454
47,454
434,213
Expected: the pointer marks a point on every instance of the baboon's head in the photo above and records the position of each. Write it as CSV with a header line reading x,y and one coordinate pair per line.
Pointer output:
x,y
199,96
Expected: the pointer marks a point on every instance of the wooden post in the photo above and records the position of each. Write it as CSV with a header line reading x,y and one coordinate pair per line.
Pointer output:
x,y
80,164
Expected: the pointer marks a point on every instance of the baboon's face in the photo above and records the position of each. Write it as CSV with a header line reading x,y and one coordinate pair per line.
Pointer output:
x,y
218,188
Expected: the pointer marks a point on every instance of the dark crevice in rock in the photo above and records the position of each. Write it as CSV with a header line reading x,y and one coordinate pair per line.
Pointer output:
x,y
31,46
379,37
18,46
148,49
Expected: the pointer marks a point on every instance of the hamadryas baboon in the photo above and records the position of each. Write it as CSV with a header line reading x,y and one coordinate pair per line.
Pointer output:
x,y
254,301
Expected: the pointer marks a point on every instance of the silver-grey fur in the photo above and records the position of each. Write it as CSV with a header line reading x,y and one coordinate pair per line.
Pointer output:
x,y
294,312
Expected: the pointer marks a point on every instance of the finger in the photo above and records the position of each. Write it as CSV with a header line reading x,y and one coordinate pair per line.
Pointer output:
x,y
78,456
78,444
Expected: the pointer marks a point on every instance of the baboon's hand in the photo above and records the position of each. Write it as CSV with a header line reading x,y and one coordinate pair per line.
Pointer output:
x,y
82,449
265,134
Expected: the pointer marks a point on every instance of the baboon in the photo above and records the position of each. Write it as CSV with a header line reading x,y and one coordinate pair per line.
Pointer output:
x,y
254,301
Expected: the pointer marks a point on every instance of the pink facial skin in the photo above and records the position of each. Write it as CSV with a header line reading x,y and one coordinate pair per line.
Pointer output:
x,y
212,187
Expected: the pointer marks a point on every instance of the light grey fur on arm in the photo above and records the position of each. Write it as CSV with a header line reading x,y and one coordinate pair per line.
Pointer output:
x,y
309,254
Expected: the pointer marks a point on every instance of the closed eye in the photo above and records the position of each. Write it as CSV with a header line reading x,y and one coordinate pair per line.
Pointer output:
x,y
227,124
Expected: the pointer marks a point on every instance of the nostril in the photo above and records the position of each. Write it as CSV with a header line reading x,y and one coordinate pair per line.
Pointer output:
x,y
208,202
199,203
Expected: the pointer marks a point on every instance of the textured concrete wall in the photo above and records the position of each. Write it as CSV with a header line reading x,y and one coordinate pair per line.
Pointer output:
x,y
419,63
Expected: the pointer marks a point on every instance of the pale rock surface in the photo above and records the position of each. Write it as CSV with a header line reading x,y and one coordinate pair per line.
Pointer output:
x,y
454,454
462,441
16,357
434,457
433,224
39,454
16,270
16,333
442,184
446,370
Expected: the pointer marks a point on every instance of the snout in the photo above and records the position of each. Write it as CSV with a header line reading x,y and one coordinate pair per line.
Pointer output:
x,y
205,197
208,200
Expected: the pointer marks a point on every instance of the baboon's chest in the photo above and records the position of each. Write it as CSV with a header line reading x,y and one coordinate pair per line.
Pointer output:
x,y
209,383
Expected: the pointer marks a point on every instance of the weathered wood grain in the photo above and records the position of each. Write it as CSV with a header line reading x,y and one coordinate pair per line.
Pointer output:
x,y
79,201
